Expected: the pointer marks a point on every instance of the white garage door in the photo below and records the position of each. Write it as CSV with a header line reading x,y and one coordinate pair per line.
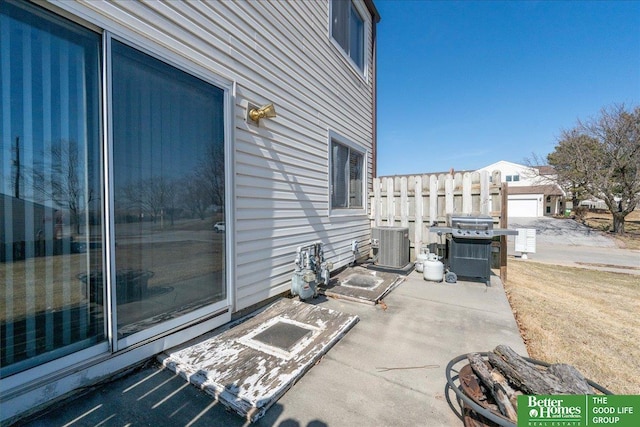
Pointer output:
x,y
523,208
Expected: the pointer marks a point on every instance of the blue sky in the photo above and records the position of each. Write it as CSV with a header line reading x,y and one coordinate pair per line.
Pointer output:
x,y
464,84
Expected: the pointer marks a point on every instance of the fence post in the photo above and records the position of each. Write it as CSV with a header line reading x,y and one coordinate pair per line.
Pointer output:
x,y
390,202
448,194
485,198
467,206
433,199
418,214
504,223
404,202
377,203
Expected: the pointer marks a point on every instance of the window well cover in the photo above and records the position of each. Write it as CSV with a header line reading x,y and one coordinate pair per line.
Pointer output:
x,y
249,366
283,335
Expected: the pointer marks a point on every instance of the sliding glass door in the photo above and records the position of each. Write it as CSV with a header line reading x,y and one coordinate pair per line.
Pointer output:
x,y
50,187
112,193
168,169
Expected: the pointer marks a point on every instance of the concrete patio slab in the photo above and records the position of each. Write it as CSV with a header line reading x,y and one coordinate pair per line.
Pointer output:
x,y
387,371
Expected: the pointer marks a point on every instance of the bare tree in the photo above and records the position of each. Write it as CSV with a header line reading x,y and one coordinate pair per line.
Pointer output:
x,y
210,173
61,179
156,196
571,158
601,157
195,195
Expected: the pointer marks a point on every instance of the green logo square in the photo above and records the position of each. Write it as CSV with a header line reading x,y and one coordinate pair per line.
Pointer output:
x,y
579,411
542,411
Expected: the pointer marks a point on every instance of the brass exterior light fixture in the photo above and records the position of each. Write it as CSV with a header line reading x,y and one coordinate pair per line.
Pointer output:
x,y
254,113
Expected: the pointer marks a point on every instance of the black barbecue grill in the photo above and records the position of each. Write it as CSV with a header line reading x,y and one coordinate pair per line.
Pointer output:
x,y
468,245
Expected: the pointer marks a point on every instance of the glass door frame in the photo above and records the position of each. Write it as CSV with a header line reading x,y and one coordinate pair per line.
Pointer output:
x,y
202,313
161,333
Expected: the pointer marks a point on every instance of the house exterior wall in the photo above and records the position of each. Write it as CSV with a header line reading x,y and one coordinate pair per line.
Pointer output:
x,y
279,180
281,53
527,176
530,186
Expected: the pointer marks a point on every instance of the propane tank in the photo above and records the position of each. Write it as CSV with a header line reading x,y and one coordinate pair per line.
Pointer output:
x,y
433,268
421,258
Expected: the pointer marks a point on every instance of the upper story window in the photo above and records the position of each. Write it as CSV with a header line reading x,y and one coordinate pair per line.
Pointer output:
x,y
347,28
513,178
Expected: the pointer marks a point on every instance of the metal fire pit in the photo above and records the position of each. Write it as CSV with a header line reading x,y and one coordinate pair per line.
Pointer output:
x,y
474,410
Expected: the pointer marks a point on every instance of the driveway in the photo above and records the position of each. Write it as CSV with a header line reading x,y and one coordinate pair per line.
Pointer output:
x,y
567,242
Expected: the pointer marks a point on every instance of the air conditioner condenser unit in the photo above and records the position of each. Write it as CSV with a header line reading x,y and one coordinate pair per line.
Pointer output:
x,y
392,245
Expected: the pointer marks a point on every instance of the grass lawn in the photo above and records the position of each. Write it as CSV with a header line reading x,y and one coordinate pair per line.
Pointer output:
x,y
47,284
604,222
586,318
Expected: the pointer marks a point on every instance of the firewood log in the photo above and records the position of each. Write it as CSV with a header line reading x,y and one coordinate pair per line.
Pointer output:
x,y
531,380
572,378
496,387
511,393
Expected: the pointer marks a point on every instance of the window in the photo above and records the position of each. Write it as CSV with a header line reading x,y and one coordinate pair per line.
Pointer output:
x,y
513,178
346,177
347,29
50,186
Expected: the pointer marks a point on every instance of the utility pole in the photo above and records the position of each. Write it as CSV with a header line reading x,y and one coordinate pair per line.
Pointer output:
x,y
16,190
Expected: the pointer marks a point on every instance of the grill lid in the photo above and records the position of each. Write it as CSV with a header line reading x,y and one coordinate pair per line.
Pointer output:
x,y
471,226
471,222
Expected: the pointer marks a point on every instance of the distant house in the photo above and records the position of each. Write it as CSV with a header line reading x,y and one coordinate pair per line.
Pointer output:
x,y
594,204
532,192
148,123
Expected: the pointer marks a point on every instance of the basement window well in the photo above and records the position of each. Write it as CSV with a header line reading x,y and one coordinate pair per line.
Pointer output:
x,y
281,337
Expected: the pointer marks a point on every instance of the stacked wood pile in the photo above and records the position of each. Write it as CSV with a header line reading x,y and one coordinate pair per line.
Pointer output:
x,y
503,375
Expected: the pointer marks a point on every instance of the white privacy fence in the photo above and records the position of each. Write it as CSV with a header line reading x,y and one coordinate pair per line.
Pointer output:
x,y
419,201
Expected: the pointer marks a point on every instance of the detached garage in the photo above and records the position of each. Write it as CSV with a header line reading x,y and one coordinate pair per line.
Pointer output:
x,y
525,207
535,201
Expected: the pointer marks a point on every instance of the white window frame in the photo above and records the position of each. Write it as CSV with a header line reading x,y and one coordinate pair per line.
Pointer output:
x,y
335,137
366,21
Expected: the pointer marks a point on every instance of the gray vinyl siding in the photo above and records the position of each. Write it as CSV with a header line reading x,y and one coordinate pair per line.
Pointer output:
x,y
280,52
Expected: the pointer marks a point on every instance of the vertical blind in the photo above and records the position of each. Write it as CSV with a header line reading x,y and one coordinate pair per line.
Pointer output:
x,y
346,177
340,174
168,150
50,181
168,186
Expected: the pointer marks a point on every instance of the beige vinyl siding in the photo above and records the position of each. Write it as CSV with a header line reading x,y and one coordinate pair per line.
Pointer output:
x,y
278,52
